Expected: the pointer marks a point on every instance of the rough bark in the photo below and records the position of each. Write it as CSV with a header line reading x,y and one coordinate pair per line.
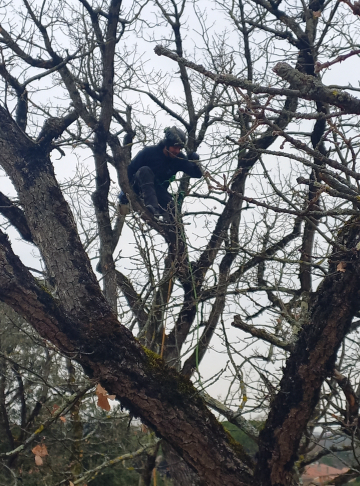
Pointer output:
x,y
15,216
148,468
303,85
180,473
80,322
312,360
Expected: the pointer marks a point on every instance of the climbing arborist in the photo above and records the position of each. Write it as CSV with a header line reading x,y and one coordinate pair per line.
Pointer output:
x,y
153,168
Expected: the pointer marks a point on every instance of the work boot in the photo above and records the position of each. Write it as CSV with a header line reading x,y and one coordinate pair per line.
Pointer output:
x,y
166,217
150,199
153,211
167,212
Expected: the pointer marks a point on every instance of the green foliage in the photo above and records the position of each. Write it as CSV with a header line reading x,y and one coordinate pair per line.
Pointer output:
x,y
35,382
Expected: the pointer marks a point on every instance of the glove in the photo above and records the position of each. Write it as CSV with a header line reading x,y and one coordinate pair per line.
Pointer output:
x,y
193,156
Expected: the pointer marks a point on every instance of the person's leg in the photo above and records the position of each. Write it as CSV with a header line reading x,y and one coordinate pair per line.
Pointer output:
x,y
166,203
144,183
165,199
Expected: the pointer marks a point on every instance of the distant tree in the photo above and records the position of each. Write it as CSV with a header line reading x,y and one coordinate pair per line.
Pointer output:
x,y
48,406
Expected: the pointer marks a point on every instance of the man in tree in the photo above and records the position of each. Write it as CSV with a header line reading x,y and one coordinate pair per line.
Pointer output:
x,y
153,168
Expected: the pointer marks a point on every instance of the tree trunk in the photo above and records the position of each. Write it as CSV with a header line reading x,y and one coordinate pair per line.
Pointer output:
x,y
313,359
81,323
180,472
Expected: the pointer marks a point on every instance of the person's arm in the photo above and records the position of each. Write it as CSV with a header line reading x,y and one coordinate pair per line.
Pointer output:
x,y
191,165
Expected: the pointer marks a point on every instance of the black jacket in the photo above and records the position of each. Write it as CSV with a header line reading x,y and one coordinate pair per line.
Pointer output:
x,y
162,166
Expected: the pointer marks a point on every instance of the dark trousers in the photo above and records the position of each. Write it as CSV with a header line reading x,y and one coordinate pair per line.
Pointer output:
x,y
154,194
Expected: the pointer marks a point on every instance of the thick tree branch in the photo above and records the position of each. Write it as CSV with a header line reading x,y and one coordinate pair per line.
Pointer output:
x,y
35,62
54,127
312,359
303,86
22,96
15,216
351,398
141,381
233,417
218,306
311,88
261,334
133,299
83,326
101,193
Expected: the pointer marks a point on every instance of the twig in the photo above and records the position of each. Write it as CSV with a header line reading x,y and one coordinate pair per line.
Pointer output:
x,y
112,462
319,66
62,410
